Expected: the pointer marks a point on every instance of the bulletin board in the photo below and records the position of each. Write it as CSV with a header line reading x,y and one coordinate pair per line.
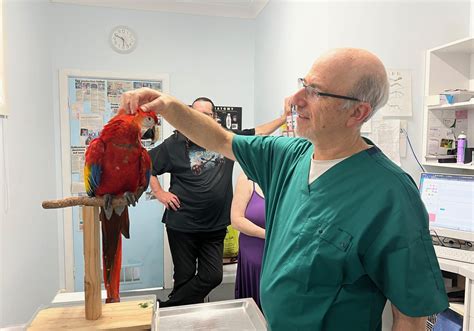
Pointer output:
x,y
88,100
92,102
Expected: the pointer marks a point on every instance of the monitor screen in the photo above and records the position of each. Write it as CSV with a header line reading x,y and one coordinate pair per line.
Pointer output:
x,y
449,200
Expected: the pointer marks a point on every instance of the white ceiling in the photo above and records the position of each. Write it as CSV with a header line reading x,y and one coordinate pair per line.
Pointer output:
x,y
226,8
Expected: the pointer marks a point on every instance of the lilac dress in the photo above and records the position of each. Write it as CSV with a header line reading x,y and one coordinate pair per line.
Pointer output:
x,y
247,282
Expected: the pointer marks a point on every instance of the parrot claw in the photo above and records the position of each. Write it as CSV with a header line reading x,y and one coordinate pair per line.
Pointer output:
x,y
119,210
108,209
130,197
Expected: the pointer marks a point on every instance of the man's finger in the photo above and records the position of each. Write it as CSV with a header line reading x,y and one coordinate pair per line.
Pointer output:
x,y
123,105
133,104
175,199
172,205
155,105
174,202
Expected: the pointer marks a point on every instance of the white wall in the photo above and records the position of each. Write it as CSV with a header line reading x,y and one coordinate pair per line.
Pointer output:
x,y
209,56
29,242
203,56
472,18
290,35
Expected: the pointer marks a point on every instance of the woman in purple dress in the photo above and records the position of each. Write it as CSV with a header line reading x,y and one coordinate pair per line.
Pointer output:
x,y
248,217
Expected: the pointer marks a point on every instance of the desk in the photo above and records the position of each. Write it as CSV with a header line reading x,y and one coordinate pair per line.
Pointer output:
x,y
466,270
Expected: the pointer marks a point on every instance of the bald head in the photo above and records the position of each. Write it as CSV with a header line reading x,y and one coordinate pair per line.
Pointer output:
x,y
354,72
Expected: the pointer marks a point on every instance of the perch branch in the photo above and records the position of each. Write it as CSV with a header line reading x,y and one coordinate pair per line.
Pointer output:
x,y
82,201
88,201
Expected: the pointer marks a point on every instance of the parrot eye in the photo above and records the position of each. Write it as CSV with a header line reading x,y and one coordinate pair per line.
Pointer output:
x,y
149,120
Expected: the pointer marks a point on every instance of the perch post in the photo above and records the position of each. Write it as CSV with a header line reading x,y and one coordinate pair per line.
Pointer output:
x,y
92,259
91,232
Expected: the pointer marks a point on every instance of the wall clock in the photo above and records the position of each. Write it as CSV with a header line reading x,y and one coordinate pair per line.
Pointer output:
x,y
123,39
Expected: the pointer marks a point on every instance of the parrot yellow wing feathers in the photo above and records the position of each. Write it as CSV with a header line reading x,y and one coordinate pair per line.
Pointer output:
x,y
93,166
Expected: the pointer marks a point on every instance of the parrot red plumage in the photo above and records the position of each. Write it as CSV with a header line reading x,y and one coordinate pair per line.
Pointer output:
x,y
116,164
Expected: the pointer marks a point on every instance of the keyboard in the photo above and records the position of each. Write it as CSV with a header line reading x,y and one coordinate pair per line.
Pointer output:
x,y
455,254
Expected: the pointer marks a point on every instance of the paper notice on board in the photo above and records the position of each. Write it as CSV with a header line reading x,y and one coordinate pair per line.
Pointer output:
x,y
97,96
77,159
399,101
442,131
115,88
461,122
386,134
90,126
92,122
76,109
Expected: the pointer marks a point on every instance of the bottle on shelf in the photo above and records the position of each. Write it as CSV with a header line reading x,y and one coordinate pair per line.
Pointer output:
x,y
228,121
461,144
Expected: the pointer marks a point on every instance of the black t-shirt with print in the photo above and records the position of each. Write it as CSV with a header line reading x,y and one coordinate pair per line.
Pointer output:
x,y
201,179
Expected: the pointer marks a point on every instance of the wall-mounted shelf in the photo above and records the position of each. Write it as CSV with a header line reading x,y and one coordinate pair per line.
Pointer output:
x,y
457,307
448,67
435,163
455,106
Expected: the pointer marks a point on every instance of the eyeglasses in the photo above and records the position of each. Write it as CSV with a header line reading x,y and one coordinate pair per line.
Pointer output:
x,y
311,91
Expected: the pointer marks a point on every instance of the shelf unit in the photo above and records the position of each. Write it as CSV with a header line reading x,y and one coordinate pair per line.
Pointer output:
x,y
465,309
457,307
450,66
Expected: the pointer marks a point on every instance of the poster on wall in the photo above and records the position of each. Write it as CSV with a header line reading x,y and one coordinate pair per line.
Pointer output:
x,y
91,104
88,102
229,117
399,101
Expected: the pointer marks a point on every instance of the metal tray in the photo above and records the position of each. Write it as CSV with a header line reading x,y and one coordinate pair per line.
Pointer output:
x,y
239,314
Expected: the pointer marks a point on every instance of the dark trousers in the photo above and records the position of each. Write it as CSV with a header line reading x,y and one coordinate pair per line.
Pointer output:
x,y
191,252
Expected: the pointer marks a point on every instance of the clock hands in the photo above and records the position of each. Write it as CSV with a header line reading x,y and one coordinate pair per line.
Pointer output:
x,y
125,35
123,40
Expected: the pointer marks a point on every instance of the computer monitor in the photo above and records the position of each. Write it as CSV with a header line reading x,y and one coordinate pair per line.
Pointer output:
x,y
449,200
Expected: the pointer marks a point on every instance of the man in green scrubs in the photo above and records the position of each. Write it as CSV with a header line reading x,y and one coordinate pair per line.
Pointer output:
x,y
346,229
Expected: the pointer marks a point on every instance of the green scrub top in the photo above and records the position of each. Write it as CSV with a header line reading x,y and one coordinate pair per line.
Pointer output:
x,y
338,248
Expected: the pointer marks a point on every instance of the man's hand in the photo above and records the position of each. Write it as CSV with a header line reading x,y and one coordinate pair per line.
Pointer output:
x,y
287,106
169,200
144,98
268,128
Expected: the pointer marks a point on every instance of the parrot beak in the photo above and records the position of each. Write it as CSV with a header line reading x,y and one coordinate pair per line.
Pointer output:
x,y
151,134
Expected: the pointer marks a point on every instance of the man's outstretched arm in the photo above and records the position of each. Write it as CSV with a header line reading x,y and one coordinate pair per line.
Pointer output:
x,y
201,129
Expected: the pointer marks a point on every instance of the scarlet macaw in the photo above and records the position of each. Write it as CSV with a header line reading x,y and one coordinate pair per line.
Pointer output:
x,y
116,164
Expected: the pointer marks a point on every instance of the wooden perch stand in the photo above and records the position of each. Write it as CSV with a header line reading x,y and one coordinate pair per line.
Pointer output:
x,y
92,259
126,315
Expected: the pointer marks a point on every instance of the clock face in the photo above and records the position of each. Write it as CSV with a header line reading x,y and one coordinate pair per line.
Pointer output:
x,y
123,39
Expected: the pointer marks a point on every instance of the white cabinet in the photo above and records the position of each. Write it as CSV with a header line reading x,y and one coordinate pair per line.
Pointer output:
x,y
465,309
448,67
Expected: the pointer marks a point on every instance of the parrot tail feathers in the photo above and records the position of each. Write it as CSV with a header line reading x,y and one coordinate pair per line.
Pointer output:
x,y
112,230
125,221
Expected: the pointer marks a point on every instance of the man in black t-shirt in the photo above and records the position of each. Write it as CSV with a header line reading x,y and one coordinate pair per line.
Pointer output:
x,y
197,207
